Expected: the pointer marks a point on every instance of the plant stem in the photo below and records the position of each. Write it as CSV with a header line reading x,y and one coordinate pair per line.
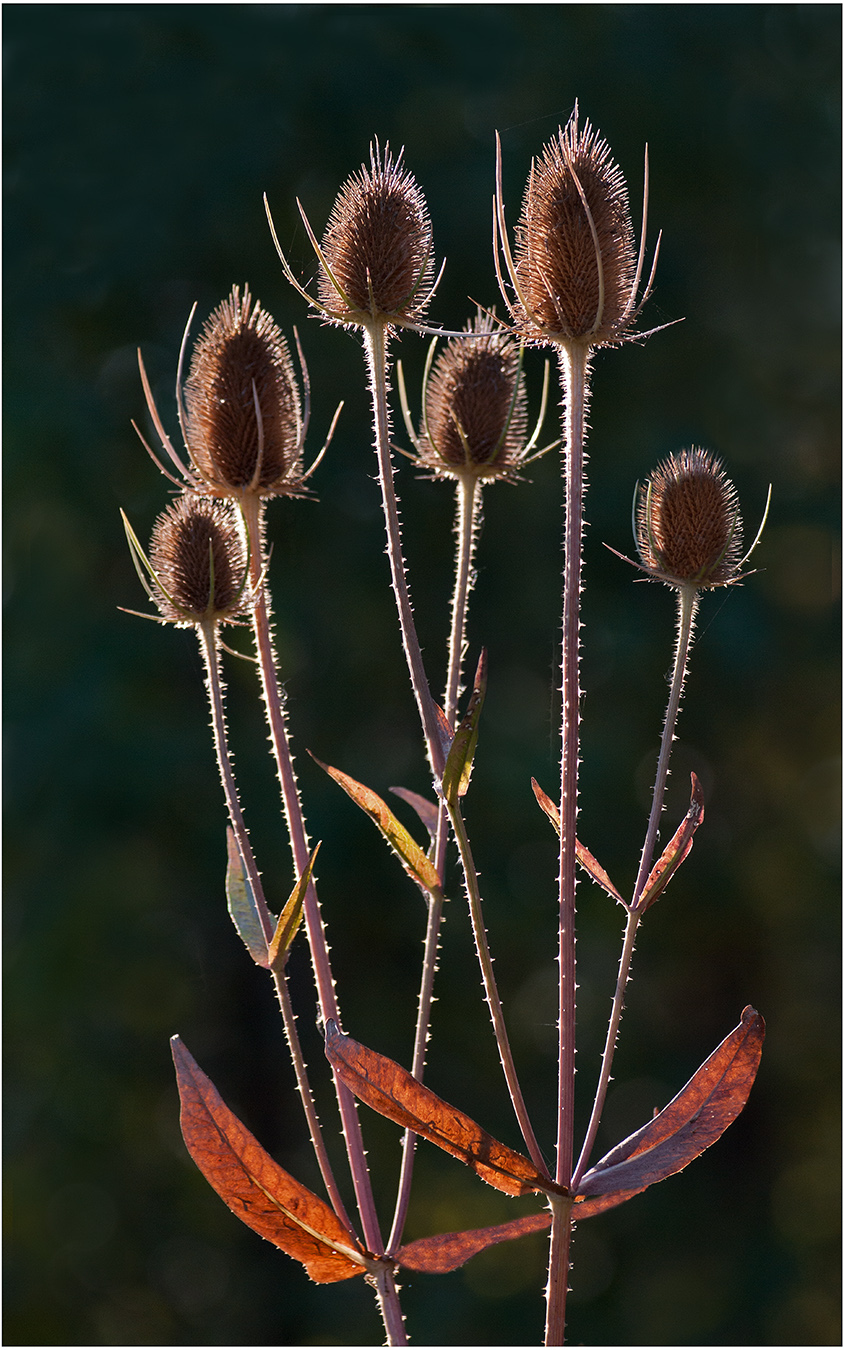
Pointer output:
x,y
686,610
491,990
375,341
207,634
687,601
574,373
251,509
465,529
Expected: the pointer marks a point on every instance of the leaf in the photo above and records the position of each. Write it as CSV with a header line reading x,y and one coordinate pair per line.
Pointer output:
x,y
290,918
675,852
414,861
458,765
696,1117
254,1187
448,1251
241,904
392,1091
589,864
425,810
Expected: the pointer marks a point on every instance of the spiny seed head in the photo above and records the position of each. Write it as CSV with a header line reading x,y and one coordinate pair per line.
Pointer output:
x,y
378,246
244,423
688,526
576,276
198,558
475,422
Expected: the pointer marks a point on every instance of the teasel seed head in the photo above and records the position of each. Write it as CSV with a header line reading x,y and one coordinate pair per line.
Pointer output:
x,y
377,252
688,523
475,408
197,563
575,270
243,417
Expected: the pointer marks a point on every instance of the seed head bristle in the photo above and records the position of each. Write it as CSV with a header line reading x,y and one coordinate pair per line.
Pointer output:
x,y
198,557
378,245
244,422
576,276
689,529
475,420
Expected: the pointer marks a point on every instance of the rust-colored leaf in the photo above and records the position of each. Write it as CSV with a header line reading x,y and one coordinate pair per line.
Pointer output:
x,y
413,859
458,765
449,1251
589,864
254,1187
676,850
289,919
696,1117
392,1091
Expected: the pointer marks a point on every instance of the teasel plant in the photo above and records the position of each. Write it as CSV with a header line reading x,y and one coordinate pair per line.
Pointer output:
x,y
574,282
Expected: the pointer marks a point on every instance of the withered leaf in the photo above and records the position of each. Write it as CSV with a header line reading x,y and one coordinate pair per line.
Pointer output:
x,y
449,1251
393,1092
589,864
676,850
697,1116
413,859
254,1187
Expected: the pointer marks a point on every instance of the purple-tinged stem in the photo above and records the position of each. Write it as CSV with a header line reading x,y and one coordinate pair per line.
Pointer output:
x,y
207,634
574,374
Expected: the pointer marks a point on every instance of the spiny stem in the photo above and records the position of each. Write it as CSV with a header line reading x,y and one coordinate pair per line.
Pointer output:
x,y
686,610
466,528
687,602
375,340
491,989
302,1083
609,1047
251,509
208,641
574,375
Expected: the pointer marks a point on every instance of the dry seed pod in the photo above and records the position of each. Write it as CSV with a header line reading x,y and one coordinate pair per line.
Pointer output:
x,y
378,246
575,257
244,420
475,409
198,562
688,525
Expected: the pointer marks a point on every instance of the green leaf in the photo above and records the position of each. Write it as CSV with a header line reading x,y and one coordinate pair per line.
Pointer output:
x,y
414,861
242,907
290,918
458,766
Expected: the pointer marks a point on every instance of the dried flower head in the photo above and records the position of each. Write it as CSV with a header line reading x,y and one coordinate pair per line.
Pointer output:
x,y
198,562
243,412
688,524
376,254
474,407
575,269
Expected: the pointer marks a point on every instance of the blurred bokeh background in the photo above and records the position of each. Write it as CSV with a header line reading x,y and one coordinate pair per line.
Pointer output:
x,y
139,139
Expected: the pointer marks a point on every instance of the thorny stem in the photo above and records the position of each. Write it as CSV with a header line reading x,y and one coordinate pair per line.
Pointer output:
x,y
208,641
574,374
375,340
466,528
251,509
491,990
687,599
686,610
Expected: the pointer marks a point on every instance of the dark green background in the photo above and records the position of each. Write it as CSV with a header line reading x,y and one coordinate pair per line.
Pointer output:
x,y
139,142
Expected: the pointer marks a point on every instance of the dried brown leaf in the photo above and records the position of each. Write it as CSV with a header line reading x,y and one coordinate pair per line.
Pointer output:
x,y
697,1116
449,1251
676,850
393,1092
589,864
254,1187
